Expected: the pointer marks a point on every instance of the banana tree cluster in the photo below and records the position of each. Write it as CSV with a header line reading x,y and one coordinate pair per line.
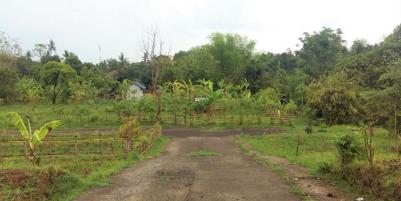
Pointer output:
x,y
32,138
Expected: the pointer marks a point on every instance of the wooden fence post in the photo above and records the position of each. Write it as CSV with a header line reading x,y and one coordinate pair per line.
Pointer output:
x,y
50,153
126,142
1,155
76,144
101,145
185,116
112,144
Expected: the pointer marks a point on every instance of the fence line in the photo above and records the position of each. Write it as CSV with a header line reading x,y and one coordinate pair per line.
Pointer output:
x,y
75,147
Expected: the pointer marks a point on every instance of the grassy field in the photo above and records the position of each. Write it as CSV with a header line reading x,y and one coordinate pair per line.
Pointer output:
x,y
63,177
80,115
105,114
318,150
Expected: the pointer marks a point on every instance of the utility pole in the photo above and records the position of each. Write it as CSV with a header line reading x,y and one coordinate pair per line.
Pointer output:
x,y
100,54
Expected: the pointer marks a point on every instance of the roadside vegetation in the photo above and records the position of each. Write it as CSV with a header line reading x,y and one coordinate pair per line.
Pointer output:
x,y
347,166
36,167
64,178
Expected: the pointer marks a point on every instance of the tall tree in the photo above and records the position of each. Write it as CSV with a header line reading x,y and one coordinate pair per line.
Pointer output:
x,y
56,76
10,49
152,47
195,64
321,50
360,46
72,60
233,53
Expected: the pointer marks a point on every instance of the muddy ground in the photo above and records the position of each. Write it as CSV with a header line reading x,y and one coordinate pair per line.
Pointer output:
x,y
176,176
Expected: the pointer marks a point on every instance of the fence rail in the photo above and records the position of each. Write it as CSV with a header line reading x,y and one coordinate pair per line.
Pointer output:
x,y
93,145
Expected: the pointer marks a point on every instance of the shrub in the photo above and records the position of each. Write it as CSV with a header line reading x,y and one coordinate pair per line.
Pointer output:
x,y
93,118
326,167
335,99
308,129
348,148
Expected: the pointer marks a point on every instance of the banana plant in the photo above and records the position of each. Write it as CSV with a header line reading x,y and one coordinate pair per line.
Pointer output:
x,y
32,138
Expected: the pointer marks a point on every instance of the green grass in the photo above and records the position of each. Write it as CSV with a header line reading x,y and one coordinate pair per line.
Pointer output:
x,y
74,180
204,153
72,115
319,149
316,148
104,114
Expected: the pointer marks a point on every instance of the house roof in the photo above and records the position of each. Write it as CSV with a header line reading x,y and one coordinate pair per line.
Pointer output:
x,y
140,85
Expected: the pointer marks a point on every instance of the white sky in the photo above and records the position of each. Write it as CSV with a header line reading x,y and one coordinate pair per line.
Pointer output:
x,y
118,26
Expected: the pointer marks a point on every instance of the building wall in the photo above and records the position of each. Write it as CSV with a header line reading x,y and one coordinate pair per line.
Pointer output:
x,y
135,92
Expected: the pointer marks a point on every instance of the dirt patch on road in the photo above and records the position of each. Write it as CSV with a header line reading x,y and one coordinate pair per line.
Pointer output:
x,y
175,176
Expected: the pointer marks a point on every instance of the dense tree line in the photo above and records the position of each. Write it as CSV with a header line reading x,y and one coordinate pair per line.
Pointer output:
x,y
335,83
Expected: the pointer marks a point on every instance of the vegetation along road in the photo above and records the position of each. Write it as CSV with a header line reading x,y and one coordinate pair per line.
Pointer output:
x,y
196,166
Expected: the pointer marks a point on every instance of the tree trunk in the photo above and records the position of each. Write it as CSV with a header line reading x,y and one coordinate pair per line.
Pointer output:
x,y
396,139
185,116
54,98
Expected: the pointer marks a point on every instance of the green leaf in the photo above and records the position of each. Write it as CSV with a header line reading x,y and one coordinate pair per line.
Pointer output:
x,y
19,124
41,133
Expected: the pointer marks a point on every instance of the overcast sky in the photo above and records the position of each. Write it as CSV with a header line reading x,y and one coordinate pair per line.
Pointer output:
x,y
118,26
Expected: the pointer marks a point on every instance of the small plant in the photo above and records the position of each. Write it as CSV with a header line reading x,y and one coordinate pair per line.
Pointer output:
x,y
130,131
299,141
93,118
348,148
368,139
309,129
204,153
32,138
325,168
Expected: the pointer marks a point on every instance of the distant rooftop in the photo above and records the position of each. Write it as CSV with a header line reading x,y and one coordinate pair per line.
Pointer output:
x,y
140,85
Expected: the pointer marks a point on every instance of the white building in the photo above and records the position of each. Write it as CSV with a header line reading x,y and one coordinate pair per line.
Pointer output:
x,y
136,90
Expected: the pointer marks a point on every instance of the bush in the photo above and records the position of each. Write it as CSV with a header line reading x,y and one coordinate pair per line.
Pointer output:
x,y
93,118
325,168
348,148
308,129
335,99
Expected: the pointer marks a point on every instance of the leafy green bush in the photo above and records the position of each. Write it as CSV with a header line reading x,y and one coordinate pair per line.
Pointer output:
x,y
308,129
335,99
348,148
326,168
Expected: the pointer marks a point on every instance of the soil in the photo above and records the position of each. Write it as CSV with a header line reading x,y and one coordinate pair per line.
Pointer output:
x,y
175,176
37,181
14,177
310,185
313,186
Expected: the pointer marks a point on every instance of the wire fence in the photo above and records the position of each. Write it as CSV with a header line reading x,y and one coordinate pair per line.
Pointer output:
x,y
70,145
